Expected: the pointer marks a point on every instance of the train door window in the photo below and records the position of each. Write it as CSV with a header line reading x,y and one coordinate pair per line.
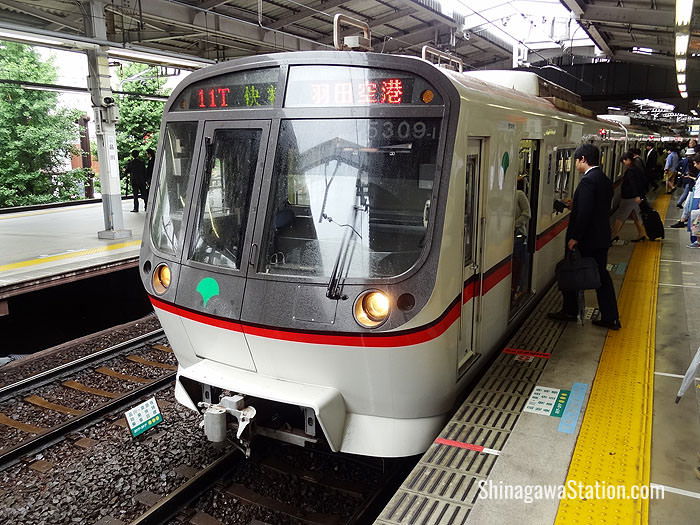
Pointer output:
x,y
173,178
229,172
563,174
469,197
524,209
604,158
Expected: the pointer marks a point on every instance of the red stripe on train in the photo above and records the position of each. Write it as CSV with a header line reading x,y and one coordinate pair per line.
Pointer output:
x,y
551,233
377,340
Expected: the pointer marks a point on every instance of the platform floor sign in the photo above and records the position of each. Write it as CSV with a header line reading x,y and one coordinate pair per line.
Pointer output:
x,y
547,401
143,416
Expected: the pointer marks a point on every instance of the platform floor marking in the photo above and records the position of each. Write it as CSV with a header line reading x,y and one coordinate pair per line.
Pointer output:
x,y
669,375
689,285
468,446
70,255
682,262
674,490
527,353
614,444
569,418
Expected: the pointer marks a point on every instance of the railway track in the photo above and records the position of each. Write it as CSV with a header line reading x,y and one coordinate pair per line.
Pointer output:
x,y
118,366
357,501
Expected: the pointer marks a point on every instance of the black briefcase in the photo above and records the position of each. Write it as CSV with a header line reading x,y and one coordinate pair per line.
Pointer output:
x,y
576,272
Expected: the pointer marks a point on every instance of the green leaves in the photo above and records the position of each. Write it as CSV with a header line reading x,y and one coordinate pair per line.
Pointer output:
x,y
35,136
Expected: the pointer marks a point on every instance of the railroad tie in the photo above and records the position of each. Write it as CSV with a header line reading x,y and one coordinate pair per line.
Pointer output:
x,y
24,427
45,403
241,492
155,364
163,348
90,390
124,377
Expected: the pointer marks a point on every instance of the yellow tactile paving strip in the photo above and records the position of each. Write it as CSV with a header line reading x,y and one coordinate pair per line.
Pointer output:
x,y
614,444
69,255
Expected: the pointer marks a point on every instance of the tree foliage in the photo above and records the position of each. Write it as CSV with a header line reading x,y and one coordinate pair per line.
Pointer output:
x,y
35,136
139,120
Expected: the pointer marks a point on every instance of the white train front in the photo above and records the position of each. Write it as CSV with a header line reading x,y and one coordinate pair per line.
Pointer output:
x,y
331,245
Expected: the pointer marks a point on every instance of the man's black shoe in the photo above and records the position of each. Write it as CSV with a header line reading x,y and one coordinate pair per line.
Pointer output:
x,y
679,224
610,325
561,316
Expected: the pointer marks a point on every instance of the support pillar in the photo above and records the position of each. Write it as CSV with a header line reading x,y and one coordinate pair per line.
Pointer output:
x,y
106,117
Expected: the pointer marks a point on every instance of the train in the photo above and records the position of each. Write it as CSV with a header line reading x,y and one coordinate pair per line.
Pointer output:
x,y
331,245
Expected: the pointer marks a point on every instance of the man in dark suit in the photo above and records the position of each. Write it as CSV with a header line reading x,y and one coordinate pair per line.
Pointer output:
x,y
650,167
136,168
589,231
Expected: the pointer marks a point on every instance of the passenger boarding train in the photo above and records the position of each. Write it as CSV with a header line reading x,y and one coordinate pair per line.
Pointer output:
x,y
332,248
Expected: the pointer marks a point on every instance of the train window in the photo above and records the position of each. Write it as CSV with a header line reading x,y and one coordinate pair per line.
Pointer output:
x,y
232,158
173,178
243,89
356,86
563,174
350,189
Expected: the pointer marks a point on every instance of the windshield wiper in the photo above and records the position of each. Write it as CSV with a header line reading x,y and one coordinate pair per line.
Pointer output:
x,y
342,260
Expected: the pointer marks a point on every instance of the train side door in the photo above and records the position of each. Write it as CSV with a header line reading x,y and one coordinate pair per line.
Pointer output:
x,y
471,289
525,224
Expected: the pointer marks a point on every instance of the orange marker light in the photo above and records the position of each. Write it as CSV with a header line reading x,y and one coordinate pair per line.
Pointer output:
x,y
427,96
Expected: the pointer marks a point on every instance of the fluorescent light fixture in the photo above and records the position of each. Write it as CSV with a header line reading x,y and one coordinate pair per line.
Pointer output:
x,y
682,88
684,10
614,108
681,78
684,94
642,50
131,54
680,65
30,39
682,44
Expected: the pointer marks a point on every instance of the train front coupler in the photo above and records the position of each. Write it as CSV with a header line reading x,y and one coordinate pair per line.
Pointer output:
x,y
216,415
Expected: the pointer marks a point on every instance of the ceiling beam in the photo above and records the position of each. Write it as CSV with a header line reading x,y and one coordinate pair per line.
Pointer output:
x,y
303,14
391,17
662,19
654,60
212,4
591,31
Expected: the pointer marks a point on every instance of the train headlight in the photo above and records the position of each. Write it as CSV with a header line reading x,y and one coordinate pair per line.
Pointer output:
x,y
161,278
372,308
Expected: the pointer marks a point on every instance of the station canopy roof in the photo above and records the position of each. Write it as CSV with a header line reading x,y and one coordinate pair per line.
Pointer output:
x,y
481,32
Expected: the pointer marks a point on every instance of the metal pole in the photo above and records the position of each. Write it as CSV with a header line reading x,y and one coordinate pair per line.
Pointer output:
x,y
106,117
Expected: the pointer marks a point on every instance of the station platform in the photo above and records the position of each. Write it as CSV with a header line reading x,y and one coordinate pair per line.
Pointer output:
x,y
43,247
571,423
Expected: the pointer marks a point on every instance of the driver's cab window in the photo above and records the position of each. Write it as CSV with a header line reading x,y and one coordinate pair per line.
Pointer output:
x,y
229,172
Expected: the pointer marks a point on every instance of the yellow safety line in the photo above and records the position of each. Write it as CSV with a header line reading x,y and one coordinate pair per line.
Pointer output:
x,y
79,253
614,444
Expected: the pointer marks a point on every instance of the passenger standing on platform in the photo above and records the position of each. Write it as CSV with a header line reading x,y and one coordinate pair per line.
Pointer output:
x,y
150,161
650,161
638,161
589,231
695,204
671,168
631,194
136,169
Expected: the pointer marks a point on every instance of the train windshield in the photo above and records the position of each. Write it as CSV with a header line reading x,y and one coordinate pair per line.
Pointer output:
x,y
173,179
356,189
